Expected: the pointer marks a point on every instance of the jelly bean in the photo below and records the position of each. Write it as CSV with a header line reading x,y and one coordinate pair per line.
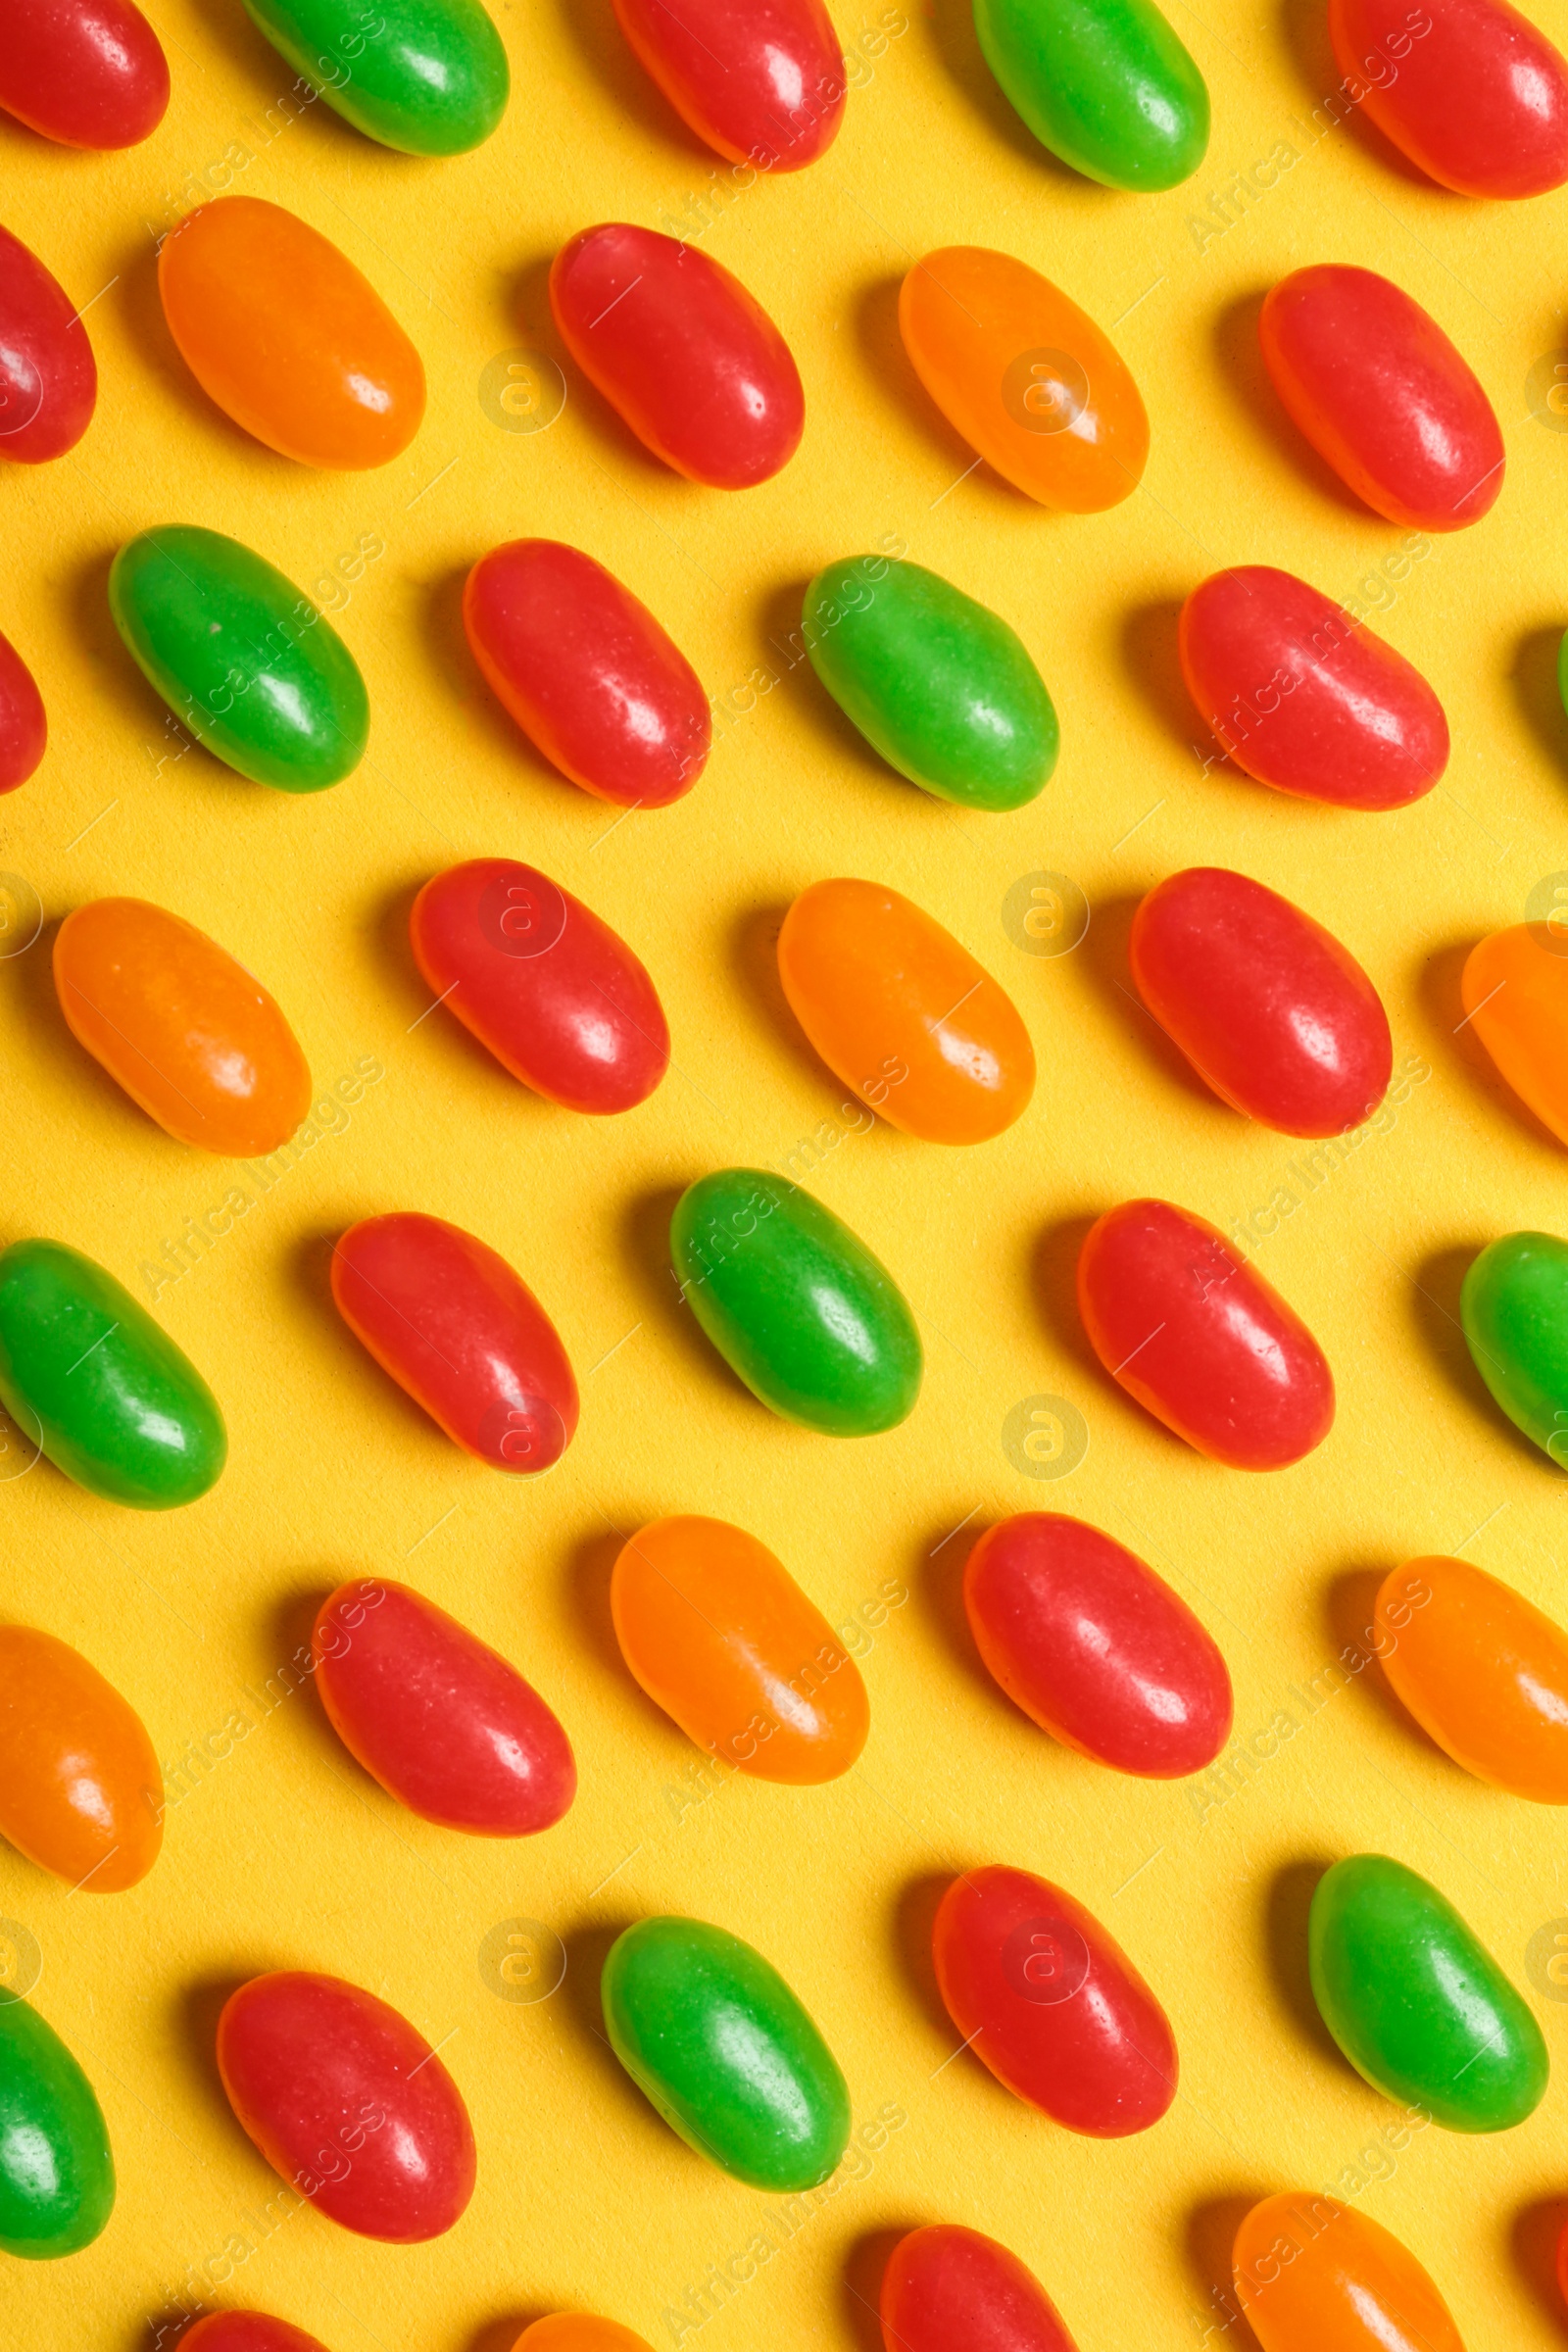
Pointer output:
x,y
948,2290
1200,1339
1105,84
80,1790
349,2103
91,1380
57,2176
86,73
558,996
1052,2003
677,346
941,686
243,660
1478,98
1383,396
181,1026
24,724
1515,990
1305,699
427,76
1096,1647
587,672
1416,2003
1513,1305
1267,1006
1314,2276
448,1318
48,377
578,2332
904,1015
288,338
446,1724
717,2043
796,1303
761,84
247,2331
1482,1670
720,1636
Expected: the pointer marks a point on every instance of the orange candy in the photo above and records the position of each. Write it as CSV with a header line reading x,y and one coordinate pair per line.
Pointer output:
x,y
1025,376
1314,2275
1482,1670
181,1026
578,2332
904,1015
288,338
1515,990
722,1637
81,1791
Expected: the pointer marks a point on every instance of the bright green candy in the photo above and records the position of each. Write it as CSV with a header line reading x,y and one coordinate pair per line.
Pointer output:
x,y
1416,2004
57,2176
87,1374
245,661
1514,1308
429,77
1105,84
938,684
712,2035
794,1303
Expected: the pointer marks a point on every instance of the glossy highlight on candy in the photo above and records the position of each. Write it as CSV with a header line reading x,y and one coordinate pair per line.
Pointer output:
x,y
1105,84
57,2174
760,80
427,76
1515,990
1513,1305
84,72
1482,1670
1314,2276
48,377
23,723
948,2290
1472,92
81,1789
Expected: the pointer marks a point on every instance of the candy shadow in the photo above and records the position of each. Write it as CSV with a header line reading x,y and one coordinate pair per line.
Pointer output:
x,y
500,2335
1286,1908
309,1264
779,626
1241,363
865,2267
496,734
1435,1307
1533,2237
1054,1282
937,1577
1533,675
1103,950
1304,26
587,1948
529,304
643,1236
588,1575
197,2010
1443,1002
876,322
440,1028
290,1624
141,312
913,1918
1210,2237
605,51
754,963
958,44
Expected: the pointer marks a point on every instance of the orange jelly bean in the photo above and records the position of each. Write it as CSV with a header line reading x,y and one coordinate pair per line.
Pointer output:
x,y
1314,2276
578,2332
904,1013
1515,990
288,338
181,1026
1026,377
722,1637
1482,1670
81,1791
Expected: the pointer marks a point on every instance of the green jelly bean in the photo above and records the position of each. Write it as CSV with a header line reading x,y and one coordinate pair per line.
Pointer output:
x,y
1416,2003
428,76
714,2038
796,1303
940,685
57,2176
88,1376
1513,1304
245,661
1105,84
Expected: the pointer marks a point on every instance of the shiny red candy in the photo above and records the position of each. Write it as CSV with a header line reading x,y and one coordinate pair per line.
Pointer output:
x,y
444,1723
1096,1647
24,726
692,362
1267,1006
246,2332
587,672
88,73
348,2103
948,2290
1200,1339
48,377
1478,98
447,1317
1055,2008
760,80
1383,396
1305,699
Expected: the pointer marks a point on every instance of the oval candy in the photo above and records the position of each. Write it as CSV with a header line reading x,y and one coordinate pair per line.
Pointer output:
x,y
722,2049
48,377
796,1303
427,76
247,2331
23,722
948,2290
81,1789
256,672
1513,1307
1314,2276
57,2174
1515,990
760,80
1482,1670
448,1318
578,2332
84,72
1472,92
1105,84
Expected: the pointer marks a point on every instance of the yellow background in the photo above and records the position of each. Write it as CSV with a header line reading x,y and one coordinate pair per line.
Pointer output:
x,y
285,1855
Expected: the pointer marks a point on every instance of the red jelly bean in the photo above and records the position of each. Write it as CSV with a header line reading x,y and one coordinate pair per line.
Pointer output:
x,y
88,73
1096,1647
948,2290
688,356
1478,99
455,1327
1202,1339
587,672
1383,396
24,725
760,80
1053,2004
246,2332
348,2103
1267,1006
1305,698
445,1724
48,377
